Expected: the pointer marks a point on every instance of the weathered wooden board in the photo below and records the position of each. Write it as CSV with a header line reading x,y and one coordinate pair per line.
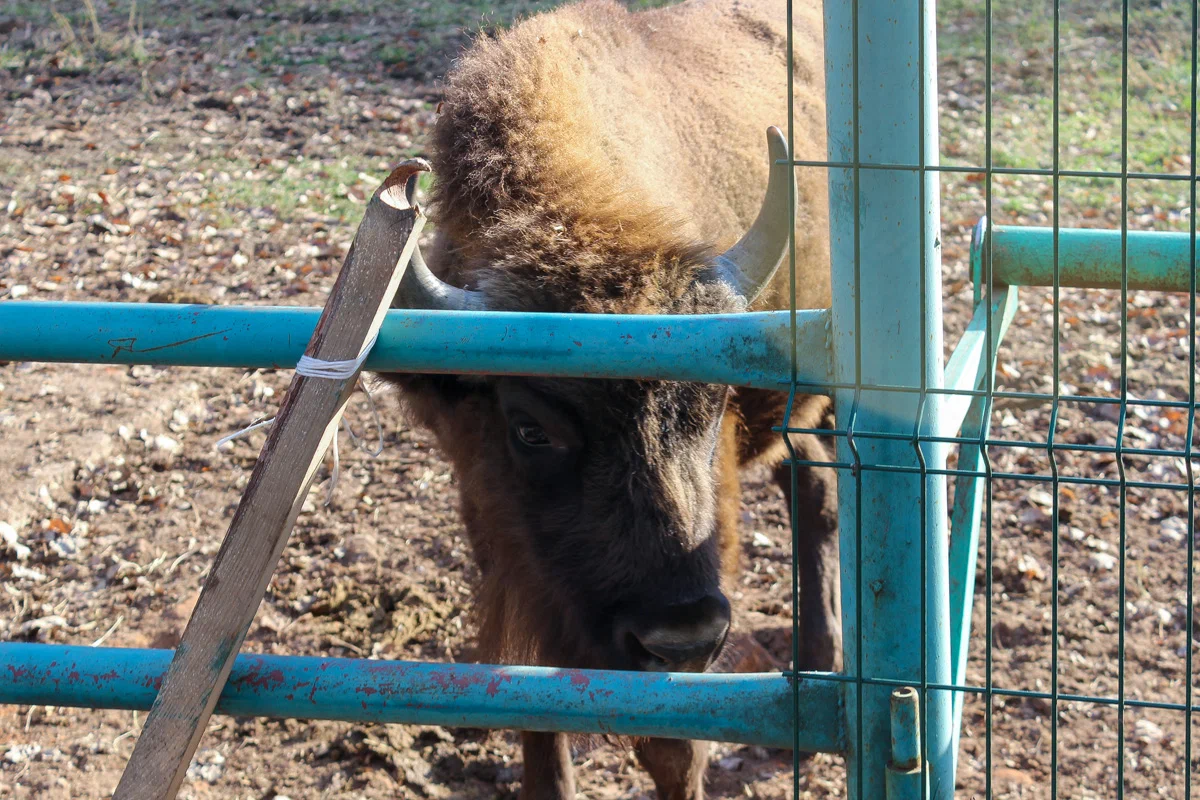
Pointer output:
x,y
298,440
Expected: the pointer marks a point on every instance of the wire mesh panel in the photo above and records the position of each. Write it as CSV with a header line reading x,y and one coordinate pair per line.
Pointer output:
x,y
1065,153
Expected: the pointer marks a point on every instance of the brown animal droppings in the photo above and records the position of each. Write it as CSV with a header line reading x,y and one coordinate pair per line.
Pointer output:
x,y
1008,775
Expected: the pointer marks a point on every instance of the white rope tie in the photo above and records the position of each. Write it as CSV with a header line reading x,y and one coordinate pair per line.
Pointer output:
x,y
311,367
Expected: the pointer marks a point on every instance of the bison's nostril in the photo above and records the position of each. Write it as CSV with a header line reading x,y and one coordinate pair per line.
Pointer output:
x,y
643,657
683,638
681,652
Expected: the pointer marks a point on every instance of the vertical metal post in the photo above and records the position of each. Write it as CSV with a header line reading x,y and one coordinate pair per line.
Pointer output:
x,y
881,91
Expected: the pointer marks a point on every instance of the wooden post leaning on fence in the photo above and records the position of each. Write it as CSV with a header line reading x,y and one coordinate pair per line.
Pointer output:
x,y
295,447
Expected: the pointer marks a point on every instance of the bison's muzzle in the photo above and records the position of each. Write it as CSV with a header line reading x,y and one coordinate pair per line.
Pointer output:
x,y
680,638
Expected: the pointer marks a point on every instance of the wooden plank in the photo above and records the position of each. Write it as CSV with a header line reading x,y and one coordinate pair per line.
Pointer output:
x,y
298,440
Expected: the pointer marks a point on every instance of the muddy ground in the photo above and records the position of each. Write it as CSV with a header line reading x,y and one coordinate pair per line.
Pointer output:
x,y
223,156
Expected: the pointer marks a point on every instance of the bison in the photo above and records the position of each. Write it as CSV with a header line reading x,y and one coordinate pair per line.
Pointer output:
x,y
595,160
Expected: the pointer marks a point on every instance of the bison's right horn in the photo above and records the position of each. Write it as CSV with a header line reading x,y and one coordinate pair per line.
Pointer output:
x,y
750,264
420,288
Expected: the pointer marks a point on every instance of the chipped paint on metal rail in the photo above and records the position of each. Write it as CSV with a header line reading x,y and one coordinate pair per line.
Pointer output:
x,y
744,708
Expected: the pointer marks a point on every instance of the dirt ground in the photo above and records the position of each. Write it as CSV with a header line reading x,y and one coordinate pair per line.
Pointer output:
x,y
223,156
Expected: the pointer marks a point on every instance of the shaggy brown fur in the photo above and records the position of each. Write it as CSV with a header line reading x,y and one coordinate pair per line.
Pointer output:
x,y
592,160
631,142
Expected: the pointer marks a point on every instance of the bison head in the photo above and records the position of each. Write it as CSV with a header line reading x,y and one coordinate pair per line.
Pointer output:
x,y
593,506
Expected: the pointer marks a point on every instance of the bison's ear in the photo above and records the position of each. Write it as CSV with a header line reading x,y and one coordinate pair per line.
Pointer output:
x,y
749,265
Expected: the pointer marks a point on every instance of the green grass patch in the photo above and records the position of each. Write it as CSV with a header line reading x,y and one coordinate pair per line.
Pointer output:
x,y
1092,136
74,38
287,190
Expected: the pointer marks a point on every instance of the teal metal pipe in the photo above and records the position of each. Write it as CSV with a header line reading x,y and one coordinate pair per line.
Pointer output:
x,y
881,95
737,349
748,709
968,364
1088,258
964,549
906,730
968,491
905,775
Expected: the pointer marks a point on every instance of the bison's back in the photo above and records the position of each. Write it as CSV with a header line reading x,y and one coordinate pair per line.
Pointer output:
x,y
591,107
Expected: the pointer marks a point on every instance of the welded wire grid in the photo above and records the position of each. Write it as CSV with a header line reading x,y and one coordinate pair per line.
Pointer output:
x,y
1080,681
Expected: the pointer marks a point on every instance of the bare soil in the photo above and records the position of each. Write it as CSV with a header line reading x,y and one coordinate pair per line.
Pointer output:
x,y
224,157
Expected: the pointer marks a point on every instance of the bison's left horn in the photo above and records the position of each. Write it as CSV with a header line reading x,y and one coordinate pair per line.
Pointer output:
x,y
420,288
750,264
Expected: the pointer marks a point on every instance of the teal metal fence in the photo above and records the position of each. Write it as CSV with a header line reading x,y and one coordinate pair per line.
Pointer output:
x,y
910,547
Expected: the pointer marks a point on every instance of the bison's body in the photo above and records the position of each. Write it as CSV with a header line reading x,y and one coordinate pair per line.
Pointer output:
x,y
592,160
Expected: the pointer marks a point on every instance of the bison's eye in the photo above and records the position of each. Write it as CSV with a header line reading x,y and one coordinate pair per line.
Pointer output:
x,y
531,435
538,432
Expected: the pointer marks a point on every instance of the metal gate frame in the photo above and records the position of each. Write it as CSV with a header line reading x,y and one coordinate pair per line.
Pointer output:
x,y
907,572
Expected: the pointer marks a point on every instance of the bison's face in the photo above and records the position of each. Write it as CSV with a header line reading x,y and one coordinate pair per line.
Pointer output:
x,y
600,499
592,505
616,488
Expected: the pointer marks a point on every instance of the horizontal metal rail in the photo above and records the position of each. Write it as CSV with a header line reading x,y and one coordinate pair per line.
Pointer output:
x,y
737,349
1087,258
747,709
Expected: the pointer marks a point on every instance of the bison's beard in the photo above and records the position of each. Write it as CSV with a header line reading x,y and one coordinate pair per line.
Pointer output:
x,y
523,619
